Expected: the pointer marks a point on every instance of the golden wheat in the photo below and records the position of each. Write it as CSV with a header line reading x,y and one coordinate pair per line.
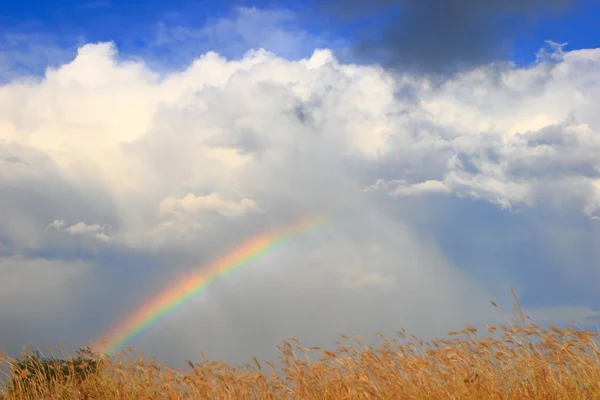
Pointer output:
x,y
524,361
520,362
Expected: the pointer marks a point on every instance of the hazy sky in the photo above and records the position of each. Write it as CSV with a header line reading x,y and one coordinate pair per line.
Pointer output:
x,y
138,142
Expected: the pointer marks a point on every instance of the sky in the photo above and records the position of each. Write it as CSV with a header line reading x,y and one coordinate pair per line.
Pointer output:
x,y
457,145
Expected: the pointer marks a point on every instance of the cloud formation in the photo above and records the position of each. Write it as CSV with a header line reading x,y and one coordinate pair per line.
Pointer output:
x,y
105,165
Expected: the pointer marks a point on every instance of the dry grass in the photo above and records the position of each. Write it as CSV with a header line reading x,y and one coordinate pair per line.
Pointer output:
x,y
515,361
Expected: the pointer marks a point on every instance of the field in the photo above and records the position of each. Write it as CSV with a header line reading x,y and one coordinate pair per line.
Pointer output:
x,y
514,361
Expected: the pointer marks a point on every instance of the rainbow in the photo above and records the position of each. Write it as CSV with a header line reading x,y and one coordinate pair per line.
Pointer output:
x,y
145,316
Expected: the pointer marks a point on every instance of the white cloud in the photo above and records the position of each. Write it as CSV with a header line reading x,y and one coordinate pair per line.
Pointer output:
x,y
400,188
182,216
192,204
234,116
57,224
82,229
430,186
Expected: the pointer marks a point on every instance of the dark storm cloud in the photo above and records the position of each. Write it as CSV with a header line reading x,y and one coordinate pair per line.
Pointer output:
x,y
439,36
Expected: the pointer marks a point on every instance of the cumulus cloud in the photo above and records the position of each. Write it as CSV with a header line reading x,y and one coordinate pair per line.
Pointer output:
x,y
191,204
401,188
106,161
81,228
191,213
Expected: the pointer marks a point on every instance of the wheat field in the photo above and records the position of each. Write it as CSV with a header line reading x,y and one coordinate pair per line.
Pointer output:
x,y
514,361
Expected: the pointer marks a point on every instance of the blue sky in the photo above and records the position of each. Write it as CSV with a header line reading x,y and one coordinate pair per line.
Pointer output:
x,y
134,156
578,27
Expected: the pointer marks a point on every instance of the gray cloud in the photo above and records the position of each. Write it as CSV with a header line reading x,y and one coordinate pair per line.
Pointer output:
x,y
439,37
38,295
